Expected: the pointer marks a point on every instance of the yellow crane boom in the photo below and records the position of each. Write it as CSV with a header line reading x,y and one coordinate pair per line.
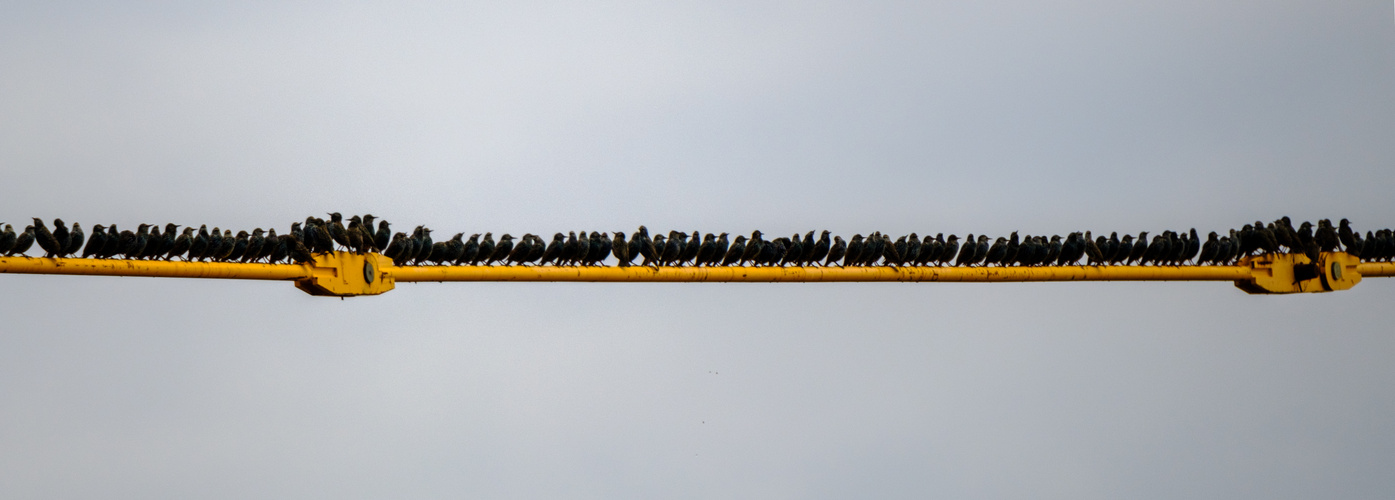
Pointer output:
x,y
344,274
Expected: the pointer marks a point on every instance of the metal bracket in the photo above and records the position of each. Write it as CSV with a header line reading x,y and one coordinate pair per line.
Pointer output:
x,y
347,274
1295,273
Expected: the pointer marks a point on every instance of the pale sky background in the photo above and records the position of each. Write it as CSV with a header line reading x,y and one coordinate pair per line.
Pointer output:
x,y
955,117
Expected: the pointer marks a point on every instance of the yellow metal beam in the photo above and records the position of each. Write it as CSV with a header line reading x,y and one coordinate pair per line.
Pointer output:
x,y
344,274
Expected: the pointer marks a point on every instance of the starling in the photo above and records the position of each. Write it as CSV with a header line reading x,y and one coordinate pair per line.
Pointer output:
x,y
1193,246
720,250
424,246
1026,252
659,242
794,251
930,249
821,249
136,246
996,252
949,250
46,240
705,251
966,253
60,233
153,241
1111,248
254,246
22,242
1121,254
75,238
1357,246
1285,234
899,251
600,249
572,250
641,245
239,246
1013,245
734,253
268,244
673,246
339,234
94,242
1155,251
1140,246
1326,235
520,251
354,234
754,246
1344,234
384,235
539,247
395,248
112,243
554,250
982,250
1094,256
486,249
772,251
1054,248
229,245
618,246
8,239
501,249
471,253
692,245
853,255
836,250
296,250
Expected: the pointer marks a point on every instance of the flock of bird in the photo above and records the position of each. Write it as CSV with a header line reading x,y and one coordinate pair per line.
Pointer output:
x,y
316,235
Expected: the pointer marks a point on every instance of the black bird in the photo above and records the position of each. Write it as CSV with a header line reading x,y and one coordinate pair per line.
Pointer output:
x,y
539,248
618,246
733,255
754,246
982,250
1026,251
229,244
1013,245
354,233
296,250
966,253
1125,248
836,250
1326,236
706,249
275,246
75,238
1054,249
1111,253
554,250
659,244
1285,234
426,246
23,241
153,240
641,245
821,249
1156,250
794,251
673,246
1194,246
254,246
1071,250
853,255
949,250
1357,246
501,249
471,252
384,235
297,231
600,249
94,242
1344,234
338,233
239,246
1307,242
317,237
46,240
113,243
1093,255
894,253
139,240
1210,251
455,248
486,249
8,239
60,233
395,248
268,244
520,250
692,245
996,252
808,244
572,250
720,251
772,251
167,240
1140,246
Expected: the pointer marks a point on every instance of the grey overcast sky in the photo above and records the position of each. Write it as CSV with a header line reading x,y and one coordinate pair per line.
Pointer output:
x,y
955,117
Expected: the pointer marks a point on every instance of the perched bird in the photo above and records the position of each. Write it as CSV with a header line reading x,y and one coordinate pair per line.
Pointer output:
x,y
383,237
297,251
1140,246
239,246
424,246
229,244
554,250
520,250
501,249
471,253
733,255
60,233
396,247
7,239
673,246
1093,255
94,242
74,243
706,249
996,252
539,247
573,250
454,248
692,245
1326,236
254,245
46,240
754,246
719,252
22,242
1124,251
113,244
338,232
853,255
794,251
966,253
821,249
1210,250
950,250
836,250
278,251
